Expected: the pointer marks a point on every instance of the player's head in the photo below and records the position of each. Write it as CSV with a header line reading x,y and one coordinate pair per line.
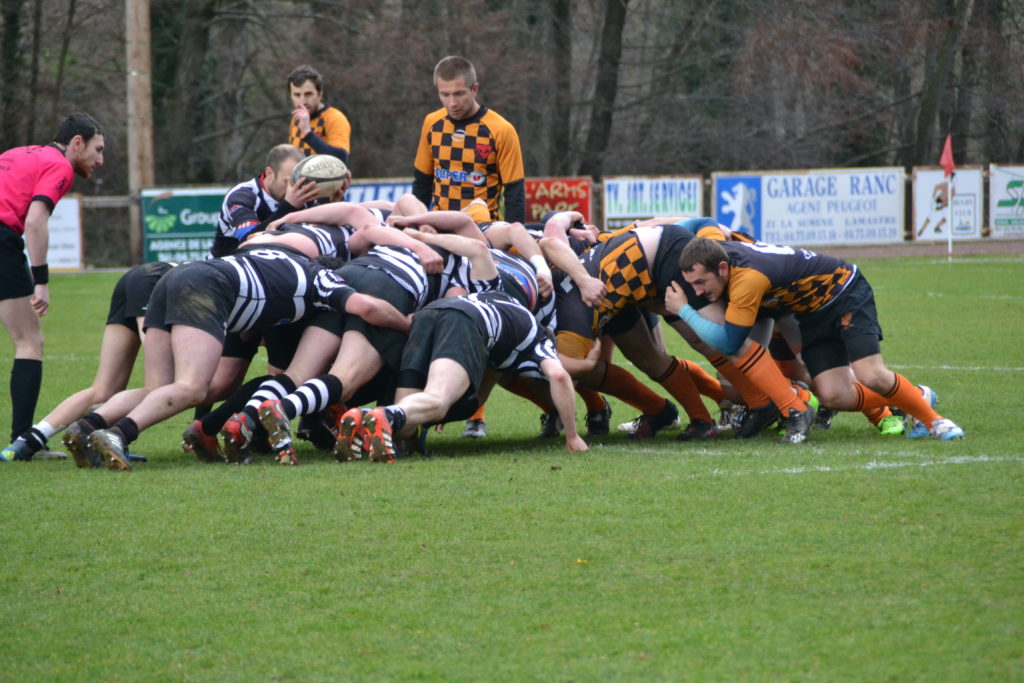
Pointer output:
x,y
457,86
83,142
306,88
705,265
278,169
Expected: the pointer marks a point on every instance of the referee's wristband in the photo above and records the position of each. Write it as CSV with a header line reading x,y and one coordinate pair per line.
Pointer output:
x,y
40,274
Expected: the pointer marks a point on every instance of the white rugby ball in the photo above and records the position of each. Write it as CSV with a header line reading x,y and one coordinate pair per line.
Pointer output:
x,y
328,172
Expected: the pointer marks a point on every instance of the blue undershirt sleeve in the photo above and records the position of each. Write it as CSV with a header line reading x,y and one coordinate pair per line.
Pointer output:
x,y
727,338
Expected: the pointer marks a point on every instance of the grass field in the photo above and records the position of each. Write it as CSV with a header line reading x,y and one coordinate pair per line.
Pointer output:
x,y
849,557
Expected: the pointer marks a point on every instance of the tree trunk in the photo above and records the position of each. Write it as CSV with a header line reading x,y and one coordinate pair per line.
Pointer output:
x,y
10,73
559,111
609,54
938,64
65,45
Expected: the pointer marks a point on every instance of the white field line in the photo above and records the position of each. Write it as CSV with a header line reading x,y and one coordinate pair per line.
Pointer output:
x,y
864,467
912,460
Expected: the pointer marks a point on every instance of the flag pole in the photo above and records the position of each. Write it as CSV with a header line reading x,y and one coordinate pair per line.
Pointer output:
x,y
949,220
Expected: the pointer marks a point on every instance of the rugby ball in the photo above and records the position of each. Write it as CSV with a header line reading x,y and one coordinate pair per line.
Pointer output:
x,y
328,172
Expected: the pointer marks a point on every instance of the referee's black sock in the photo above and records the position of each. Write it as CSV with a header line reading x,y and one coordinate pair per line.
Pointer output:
x,y
26,379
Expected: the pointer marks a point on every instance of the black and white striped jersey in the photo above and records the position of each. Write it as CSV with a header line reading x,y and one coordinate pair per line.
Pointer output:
x,y
516,342
278,285
518,279
404,266
245,206
330,240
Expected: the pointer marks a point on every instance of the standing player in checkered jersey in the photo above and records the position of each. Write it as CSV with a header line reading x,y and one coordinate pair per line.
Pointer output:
x,y
467,150
315,128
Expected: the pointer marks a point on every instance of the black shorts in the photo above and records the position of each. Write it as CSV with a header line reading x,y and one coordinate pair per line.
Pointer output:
x,y
194,295
844,332
377,283
443,333
131,294
15,278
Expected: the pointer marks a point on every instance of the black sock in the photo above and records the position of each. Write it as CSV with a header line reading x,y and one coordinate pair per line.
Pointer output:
x,y
26,380
129,430
396,417
35,440
94,421
214,421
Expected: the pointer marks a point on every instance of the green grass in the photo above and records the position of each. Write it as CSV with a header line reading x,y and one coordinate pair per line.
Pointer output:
x,y
848,557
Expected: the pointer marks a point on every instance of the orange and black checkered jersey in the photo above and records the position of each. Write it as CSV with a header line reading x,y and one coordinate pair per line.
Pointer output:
x,y
781,278
330,125
470,158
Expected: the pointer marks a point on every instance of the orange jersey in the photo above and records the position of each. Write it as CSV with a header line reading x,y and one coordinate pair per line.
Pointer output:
x,y
330,124
781,278
469,159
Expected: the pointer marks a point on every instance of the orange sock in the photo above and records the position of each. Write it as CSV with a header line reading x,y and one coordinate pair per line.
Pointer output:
x,y
680,385
868,400
759,367
521,388
621,384
876,415
907,397
801,393
706,384
592,399
479,414
752,397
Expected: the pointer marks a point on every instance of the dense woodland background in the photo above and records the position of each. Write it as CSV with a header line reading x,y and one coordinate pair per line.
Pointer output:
x,y
595,87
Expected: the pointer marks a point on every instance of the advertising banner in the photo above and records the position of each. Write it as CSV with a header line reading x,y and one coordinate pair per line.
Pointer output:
x,y
631,198
65,228
178,224
558,194
931,203
377,189
818,206
1006,201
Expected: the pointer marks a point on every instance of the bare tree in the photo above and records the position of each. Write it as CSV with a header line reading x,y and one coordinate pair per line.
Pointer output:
x,y
609,52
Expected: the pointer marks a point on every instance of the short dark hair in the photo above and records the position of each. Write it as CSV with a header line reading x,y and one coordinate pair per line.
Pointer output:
x,y
303,73
280,153
702,251
78,123
452,67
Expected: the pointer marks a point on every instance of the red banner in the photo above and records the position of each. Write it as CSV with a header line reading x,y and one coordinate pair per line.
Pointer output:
x,y
558,194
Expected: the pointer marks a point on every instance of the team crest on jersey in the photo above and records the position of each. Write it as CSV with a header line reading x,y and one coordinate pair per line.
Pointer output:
x,y
477,178
326,281
483,151
458,135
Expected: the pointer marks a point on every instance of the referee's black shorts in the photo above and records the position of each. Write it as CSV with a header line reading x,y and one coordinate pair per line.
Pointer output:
x,y
15,278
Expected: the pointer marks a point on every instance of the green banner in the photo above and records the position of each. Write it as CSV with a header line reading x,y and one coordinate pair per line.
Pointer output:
x,y
179,223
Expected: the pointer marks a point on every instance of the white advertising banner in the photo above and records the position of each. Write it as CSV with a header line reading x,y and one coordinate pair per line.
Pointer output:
x,y
65,228
1006,201
377,189
818,206
630,198
931,203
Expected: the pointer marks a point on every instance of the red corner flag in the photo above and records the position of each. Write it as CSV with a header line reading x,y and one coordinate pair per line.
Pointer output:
x,y
947,156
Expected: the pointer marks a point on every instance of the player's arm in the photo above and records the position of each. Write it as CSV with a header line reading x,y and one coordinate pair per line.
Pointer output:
x,y
510,166
481,264
506,236
337,132
37,241
563,395
423,167
456,222
369,235
560,255
377,312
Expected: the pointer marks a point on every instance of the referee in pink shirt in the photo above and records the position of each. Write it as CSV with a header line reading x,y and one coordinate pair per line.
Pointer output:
x,y
32,181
